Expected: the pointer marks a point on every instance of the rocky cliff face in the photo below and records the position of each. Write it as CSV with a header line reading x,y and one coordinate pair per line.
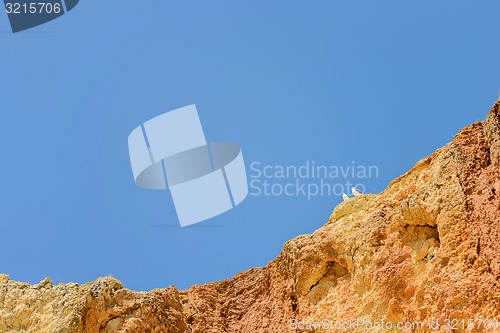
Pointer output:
x,y
424,253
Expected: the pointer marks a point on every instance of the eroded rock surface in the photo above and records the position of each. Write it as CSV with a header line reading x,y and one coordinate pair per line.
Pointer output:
x,y
425,249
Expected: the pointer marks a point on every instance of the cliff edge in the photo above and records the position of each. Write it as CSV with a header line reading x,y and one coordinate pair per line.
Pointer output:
x,y
425,253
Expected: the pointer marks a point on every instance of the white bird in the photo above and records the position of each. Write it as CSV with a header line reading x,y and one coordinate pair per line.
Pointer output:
x,y
356,192
345,197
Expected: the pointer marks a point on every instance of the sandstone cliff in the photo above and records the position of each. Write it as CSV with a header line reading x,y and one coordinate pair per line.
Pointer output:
x,y
425,249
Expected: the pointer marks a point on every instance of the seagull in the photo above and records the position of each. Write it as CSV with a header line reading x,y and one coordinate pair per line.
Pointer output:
x,y
356,192
345,197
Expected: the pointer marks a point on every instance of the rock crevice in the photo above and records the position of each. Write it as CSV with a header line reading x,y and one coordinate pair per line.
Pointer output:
x,y
426,249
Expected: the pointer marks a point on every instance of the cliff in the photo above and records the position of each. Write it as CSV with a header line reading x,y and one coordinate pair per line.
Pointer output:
x,y
426,251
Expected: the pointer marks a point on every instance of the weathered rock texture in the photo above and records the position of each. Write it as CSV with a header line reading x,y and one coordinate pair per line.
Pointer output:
x,y
425,249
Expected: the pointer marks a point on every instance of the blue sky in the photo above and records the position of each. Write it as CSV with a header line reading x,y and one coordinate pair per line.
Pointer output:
x,y
334,82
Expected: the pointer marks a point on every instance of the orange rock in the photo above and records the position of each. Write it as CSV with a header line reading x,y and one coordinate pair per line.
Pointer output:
x,y
423,254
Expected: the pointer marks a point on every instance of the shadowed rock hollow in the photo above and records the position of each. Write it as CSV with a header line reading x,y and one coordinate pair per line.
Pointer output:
x,y
425,249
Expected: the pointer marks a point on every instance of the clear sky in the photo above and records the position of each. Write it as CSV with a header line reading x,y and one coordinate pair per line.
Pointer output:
x,y
340,83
